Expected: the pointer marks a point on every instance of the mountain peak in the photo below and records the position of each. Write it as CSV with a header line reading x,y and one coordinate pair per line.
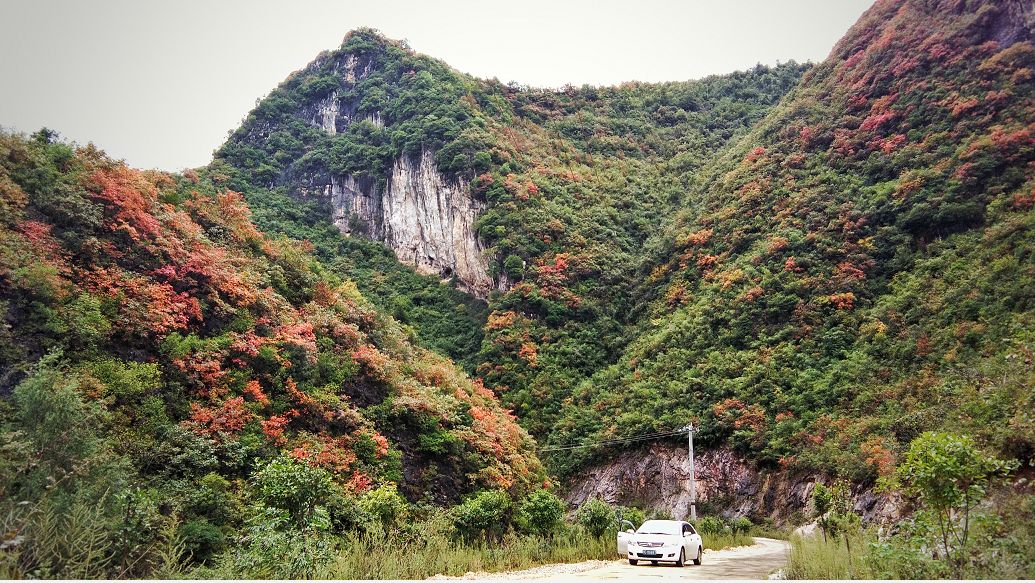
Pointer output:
x,y
365,38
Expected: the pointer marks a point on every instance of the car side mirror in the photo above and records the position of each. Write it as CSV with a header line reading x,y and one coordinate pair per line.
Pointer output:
x,y
630,531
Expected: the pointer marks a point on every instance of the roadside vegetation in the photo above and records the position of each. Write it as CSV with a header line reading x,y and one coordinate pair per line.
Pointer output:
x,y
968,523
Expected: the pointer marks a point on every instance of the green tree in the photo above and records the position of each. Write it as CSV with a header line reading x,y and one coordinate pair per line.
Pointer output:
x,y
293,486
822,501
949,475
514,266
486,514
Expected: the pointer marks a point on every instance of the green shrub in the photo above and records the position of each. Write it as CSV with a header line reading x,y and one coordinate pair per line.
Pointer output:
x,y
59,479
597,517
201,539
634,515
293,486
384,504
540,513
485,515
211,497
741,525
346,513
273,547
712,525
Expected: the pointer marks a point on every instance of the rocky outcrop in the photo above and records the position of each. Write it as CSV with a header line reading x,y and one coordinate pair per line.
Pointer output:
x,y
425,217
659,477
327,112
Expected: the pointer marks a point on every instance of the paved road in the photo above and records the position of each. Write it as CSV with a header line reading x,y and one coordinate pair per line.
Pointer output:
x,y
752,562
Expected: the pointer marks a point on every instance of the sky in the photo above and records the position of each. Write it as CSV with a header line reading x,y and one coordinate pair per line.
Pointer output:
x,y
161,84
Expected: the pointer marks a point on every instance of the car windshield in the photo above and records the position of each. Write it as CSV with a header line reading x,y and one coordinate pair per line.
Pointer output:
x,y
661,527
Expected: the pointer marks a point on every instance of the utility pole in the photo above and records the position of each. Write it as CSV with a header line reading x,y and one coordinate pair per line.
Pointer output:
x,y
693,478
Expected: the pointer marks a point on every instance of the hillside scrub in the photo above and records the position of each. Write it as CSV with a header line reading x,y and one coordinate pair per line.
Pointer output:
x,y
182,385
817,263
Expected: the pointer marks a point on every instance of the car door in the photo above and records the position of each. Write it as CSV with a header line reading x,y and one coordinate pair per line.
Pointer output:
x,y
624,537
692,542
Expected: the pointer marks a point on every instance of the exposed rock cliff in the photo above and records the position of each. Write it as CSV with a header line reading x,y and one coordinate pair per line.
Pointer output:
x,y
398,196
425,217
658,477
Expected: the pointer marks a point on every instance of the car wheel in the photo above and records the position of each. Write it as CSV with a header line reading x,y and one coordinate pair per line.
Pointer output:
x,y
700,555
682,558
633,562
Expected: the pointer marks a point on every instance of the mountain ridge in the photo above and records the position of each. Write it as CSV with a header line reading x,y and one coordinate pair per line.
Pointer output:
x,y
274,359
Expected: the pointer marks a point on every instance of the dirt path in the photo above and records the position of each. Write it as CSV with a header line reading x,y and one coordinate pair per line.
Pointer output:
x,y
752,562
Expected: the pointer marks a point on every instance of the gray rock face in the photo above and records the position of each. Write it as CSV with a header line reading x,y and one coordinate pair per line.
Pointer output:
x,y
425,217
658,477
327,112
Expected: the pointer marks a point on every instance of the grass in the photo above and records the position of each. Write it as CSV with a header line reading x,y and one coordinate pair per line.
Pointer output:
x,y
382,556
719,541
430,551
815,558
414,551
781,533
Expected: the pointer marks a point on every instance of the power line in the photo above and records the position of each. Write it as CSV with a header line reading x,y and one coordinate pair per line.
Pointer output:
x,y
630,439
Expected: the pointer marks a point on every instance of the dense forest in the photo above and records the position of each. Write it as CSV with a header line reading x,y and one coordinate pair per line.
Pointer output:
x,y
828,268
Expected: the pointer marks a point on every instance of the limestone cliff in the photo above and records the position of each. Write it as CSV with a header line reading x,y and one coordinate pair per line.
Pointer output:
x,y
425,217
323,123
659,477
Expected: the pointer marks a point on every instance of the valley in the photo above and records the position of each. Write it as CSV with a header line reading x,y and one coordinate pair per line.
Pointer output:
x,y
411,322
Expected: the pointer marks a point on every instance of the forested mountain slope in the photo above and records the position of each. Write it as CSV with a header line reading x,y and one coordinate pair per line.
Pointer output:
x,y
294,358
539,200
859,268
843,269
164,359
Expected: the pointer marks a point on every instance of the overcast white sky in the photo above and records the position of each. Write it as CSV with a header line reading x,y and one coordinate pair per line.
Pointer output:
x,y
160,84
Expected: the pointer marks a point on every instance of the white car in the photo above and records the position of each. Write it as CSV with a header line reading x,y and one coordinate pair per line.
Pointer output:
x,y
661,541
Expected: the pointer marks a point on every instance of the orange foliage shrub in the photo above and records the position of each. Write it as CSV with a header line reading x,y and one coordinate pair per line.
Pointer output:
x,y
229,418
254,390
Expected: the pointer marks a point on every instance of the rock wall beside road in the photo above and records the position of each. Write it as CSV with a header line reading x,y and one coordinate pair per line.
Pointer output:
x,y
658,476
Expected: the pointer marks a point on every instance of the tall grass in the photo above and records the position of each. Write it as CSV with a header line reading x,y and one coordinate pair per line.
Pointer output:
x,y
422,550
718,541
76,539
813,557
430,551
382,555
769,531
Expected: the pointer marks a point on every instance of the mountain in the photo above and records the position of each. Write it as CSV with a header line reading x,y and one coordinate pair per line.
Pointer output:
x,y
155,341
857,270
395,283
539,201
797,258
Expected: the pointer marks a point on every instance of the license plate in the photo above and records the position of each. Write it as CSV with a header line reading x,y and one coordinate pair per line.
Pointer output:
x,y
649,552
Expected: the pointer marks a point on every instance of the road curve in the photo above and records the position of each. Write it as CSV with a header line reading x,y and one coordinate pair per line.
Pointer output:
x,y
756,561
